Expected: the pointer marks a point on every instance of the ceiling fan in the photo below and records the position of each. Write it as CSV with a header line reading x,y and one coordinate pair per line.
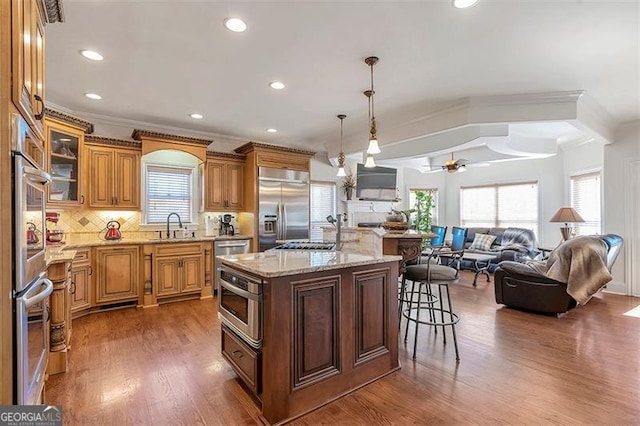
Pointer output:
x,y
451,166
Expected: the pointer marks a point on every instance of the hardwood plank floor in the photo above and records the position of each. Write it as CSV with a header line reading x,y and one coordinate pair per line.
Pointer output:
x,y
163,366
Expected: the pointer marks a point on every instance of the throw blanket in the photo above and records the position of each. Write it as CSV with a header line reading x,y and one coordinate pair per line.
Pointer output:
x,y
520,240
581,263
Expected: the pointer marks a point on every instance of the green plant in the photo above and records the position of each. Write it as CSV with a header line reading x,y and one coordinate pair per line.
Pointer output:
x,y
423,206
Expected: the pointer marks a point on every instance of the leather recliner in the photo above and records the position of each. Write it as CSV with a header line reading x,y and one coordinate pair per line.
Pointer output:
x,y
520,286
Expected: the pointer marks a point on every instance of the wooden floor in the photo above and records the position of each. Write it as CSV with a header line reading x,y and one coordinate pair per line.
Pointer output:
x,y
163,366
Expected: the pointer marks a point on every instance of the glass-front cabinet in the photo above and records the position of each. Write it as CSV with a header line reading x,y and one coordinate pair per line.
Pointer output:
x,y
64,152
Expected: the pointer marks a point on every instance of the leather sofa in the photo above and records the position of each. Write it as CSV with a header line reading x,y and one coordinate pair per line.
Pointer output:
x,y
515,244
519,285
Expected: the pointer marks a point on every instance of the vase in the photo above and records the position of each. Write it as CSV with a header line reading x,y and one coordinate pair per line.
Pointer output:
x,y
349,193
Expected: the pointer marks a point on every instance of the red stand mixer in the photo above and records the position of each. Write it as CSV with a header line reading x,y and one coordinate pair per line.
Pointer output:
x,y
54,236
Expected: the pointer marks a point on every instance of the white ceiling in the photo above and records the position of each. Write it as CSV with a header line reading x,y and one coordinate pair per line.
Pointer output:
x,y
166,59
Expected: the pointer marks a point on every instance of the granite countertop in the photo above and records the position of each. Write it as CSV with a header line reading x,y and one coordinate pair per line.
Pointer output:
x,y
88,240
58,255
276,263
411,233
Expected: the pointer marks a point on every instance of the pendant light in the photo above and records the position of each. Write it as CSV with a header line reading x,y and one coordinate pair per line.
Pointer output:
x,y
369,163
373,137
341,171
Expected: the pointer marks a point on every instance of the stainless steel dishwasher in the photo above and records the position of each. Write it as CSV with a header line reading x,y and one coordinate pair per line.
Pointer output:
x,y
227,247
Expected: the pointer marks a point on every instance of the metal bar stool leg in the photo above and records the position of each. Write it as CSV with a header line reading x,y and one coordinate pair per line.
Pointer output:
x,y
444,334
415,338
408,310
453,325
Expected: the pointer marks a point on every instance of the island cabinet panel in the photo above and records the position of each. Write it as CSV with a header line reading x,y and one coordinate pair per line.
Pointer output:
x,y
316,316
371,315
326,334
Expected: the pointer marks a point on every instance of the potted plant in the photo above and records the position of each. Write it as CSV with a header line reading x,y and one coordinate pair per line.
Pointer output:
x,y
422,209
349,183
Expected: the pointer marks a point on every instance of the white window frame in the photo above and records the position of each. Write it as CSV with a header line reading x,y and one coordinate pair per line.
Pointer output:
x,y
314,225
195,197
582,229
498,222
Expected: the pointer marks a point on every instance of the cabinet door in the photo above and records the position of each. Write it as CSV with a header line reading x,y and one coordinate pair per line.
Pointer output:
x,y
192,273
64,151
165,276
37,65
235,186
127,179
101,177
25,31
81,286
214,189
117,274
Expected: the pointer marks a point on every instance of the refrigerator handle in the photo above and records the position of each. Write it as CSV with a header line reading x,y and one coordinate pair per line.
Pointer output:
x,y
284,221
278,223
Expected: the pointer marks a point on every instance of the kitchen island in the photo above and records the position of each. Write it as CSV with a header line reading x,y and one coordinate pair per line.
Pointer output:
x,y
329,326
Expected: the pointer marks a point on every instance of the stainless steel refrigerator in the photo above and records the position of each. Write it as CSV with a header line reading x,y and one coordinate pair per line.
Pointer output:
x,y
284,206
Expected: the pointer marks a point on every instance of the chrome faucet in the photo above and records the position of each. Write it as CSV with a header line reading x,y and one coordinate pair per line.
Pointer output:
x,y
169,217
338,224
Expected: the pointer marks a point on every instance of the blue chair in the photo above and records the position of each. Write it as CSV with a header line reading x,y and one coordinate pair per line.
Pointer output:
x,y
451,256
439,240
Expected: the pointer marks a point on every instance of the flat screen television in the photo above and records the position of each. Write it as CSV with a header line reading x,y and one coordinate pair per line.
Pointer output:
x,y
376,183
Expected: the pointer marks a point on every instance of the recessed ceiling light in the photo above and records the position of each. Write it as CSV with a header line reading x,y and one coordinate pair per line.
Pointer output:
x,y
196,116
90,54
278,85
461,4
272,130
93,96
235,24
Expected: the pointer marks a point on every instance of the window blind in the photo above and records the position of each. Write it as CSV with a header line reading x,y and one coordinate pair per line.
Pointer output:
x,y
322,204
505,205
168,189
586,199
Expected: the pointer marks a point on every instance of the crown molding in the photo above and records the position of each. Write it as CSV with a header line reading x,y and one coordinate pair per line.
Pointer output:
x,y
54,12
69,119
227,155
251,146
140,134
105,140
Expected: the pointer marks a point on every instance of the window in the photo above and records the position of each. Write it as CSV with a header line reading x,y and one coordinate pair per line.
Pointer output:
x,y
168,189
323,204
434,207
503,206
585,198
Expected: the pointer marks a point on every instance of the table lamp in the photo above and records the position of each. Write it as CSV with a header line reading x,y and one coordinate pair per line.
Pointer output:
x,y
566,215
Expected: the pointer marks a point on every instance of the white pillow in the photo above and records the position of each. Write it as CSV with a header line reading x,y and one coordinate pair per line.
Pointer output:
x,y
482,242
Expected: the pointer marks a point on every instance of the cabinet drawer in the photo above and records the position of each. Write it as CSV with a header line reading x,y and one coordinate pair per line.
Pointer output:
x,y
245,360
178,249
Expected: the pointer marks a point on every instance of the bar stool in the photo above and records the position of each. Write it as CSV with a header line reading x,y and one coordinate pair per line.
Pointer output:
x,y
439,309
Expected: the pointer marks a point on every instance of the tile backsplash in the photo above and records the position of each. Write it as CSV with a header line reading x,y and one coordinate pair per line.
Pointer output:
x,y
83,221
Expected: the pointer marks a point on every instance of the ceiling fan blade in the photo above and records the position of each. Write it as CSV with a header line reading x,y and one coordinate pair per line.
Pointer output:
x,y
434,169
462,162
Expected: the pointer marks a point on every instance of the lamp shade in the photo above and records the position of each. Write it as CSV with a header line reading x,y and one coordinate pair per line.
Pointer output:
x,y
566,215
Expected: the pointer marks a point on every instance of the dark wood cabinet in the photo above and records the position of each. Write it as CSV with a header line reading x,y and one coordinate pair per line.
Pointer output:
x,y
247,362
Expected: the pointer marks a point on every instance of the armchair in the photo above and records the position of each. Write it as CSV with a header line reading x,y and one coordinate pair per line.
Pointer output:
x,y
573,272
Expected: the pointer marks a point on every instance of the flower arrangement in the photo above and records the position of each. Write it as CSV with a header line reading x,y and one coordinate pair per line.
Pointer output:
x,y
349,183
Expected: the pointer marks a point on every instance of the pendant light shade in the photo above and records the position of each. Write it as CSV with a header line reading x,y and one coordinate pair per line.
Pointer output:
x,y
370,161
373,147
341,171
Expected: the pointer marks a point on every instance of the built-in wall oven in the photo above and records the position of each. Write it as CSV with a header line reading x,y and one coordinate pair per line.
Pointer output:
x,y
31,288
240,305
